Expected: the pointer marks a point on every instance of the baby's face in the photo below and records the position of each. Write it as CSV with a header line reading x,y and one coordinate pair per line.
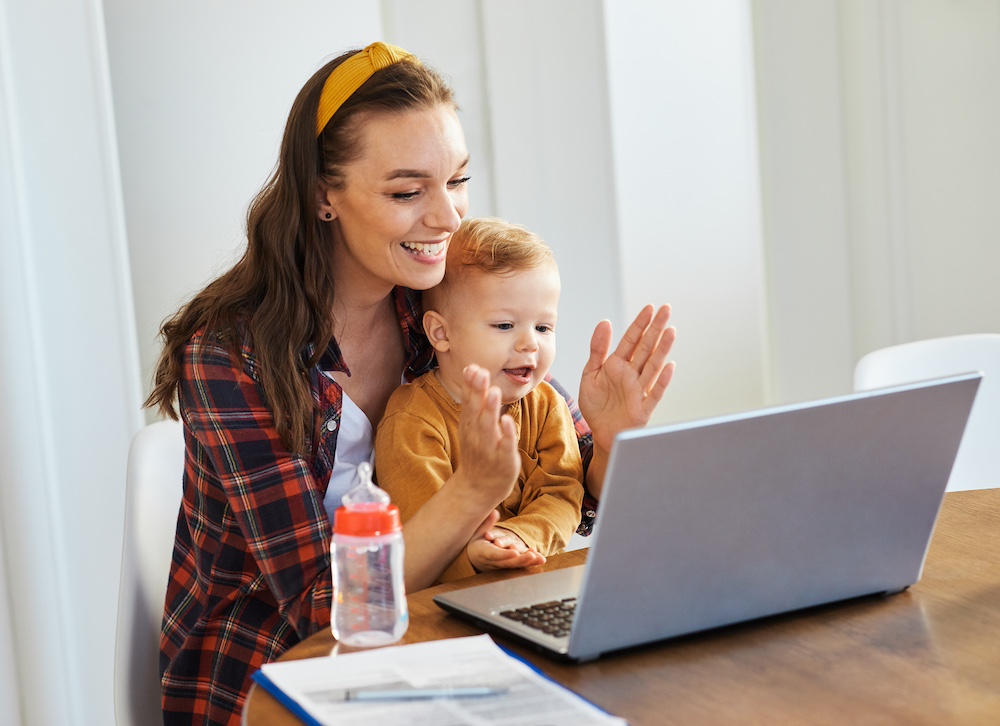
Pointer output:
x,y
507,325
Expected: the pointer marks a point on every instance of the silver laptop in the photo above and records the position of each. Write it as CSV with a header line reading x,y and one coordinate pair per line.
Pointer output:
x,y
719,521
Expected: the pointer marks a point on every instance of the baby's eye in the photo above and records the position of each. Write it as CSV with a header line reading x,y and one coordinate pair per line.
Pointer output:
x,y
545,329
504,326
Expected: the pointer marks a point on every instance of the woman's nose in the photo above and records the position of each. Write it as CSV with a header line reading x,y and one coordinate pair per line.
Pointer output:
x,y
443,213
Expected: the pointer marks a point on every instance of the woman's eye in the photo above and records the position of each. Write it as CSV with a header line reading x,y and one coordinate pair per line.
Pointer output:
x,y
405,196
460,181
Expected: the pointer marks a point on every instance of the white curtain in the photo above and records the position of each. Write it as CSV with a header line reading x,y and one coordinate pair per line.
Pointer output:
x,y
69,371
10,710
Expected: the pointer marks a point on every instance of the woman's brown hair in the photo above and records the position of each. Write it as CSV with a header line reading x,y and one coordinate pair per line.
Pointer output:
x,y
281,291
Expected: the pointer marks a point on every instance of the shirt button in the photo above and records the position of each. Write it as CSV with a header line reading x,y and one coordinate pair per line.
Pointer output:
x,y
331,425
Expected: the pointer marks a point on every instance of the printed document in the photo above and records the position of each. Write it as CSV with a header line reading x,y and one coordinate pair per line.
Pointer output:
x,y
399,678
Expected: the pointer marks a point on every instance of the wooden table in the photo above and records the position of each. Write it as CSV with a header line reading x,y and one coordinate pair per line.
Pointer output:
x,y
930,655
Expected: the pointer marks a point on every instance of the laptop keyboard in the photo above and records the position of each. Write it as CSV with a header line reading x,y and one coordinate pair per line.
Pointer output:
x,y
553,618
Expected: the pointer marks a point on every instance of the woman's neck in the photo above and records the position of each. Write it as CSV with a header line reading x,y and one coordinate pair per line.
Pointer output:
x,y
353,318
371,340
359,301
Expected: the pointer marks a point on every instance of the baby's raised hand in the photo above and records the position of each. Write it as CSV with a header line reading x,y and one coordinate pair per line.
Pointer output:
x,y
488,440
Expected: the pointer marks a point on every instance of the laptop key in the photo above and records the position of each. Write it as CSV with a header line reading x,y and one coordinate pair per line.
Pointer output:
x,y
553,618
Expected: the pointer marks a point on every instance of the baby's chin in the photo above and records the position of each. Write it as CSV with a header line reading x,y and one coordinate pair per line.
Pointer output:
x,y
511,396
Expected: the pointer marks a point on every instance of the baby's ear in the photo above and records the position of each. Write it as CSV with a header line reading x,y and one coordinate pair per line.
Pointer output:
x,y
436,328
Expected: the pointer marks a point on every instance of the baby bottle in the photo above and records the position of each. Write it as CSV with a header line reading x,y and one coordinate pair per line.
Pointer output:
x,y
369,598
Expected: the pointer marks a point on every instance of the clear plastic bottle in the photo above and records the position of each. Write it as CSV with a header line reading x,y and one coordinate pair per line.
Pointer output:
x,y
369,596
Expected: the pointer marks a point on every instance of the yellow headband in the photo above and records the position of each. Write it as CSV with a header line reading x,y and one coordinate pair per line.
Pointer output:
x,y
346,78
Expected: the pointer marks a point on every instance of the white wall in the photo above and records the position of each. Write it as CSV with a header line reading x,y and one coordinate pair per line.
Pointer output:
x,y
923,159
585,145
880,148
201,94
687,192
802,171
545,69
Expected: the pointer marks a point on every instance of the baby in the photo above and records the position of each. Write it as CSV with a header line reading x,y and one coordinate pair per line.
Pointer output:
x,y
495,308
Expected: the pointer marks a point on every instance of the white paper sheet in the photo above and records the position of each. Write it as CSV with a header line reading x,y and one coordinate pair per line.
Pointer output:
x,y
527,698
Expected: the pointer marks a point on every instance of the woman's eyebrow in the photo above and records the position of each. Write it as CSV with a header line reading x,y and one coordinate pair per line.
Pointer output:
x,y
417,173
407,174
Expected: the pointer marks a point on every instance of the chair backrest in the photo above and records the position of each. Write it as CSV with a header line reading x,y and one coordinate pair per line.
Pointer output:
x,y
152,500
978,463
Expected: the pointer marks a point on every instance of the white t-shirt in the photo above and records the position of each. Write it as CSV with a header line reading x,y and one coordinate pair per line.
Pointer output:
x,y
355,444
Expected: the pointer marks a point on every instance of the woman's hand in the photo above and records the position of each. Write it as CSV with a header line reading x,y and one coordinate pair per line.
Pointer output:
x,y
499,549
621,390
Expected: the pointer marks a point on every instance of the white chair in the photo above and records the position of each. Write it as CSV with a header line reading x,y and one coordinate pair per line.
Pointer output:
x,y
977,465
152,500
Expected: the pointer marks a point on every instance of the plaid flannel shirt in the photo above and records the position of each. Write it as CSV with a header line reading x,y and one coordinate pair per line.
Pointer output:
x,y
250,575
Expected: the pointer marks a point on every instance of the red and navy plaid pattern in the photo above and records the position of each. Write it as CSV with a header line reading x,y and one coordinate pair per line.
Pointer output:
x,y
586,440
250,575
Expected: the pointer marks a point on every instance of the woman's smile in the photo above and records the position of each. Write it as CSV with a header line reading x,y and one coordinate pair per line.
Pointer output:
x,y
432,252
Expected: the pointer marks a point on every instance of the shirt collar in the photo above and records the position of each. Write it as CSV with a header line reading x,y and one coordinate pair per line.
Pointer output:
x,y
419,353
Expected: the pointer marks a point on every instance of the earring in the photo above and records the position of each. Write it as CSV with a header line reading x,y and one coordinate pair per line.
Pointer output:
x,y
329,216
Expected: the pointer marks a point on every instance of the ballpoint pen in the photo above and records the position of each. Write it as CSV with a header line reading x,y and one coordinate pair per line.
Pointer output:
x,y
409,694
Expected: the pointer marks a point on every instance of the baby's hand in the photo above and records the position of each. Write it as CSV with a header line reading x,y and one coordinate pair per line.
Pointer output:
x,y
501,549
487,440
506,539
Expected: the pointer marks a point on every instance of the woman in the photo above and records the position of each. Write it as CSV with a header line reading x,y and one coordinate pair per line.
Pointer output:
x,y
282,367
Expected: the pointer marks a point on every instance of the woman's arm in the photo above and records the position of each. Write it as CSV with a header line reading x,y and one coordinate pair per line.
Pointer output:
x,y
253,496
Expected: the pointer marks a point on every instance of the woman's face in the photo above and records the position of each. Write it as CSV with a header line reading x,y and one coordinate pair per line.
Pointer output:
x,y
401,199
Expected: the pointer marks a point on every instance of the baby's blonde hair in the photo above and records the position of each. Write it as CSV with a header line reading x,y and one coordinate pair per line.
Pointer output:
x,y
488,245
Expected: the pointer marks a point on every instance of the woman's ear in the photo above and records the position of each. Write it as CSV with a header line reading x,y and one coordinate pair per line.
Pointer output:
x,y
436,329
324,205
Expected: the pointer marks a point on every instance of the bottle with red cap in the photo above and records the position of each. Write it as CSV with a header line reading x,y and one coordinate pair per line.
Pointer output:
x,y
369,597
